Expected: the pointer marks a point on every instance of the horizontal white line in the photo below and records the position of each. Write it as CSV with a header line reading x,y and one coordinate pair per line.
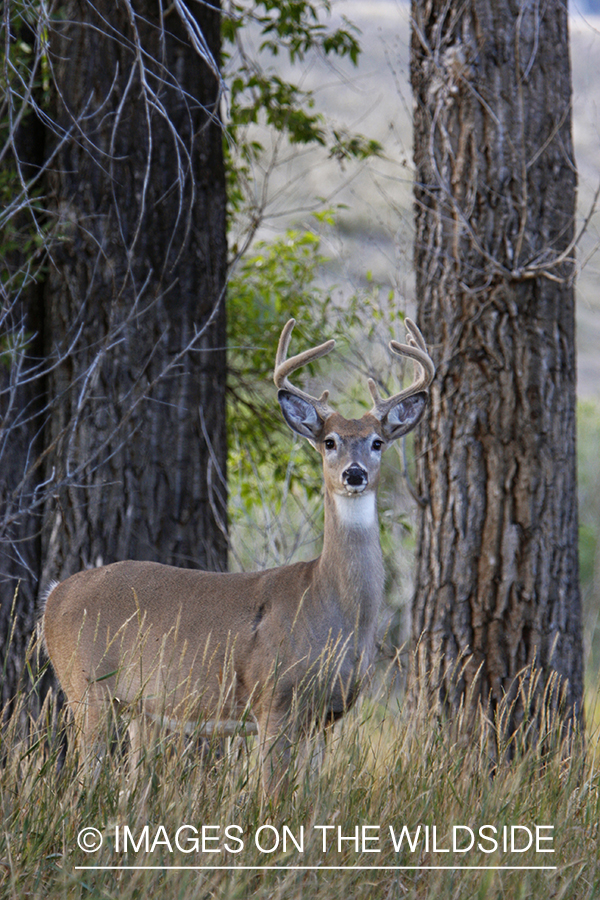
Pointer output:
x,y
329,868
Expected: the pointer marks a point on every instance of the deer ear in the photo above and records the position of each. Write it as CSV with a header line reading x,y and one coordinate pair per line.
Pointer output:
x,y
301,416
403,417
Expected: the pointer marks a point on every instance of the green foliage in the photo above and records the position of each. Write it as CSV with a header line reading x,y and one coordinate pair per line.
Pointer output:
x,y
588,433
346,146
275,482
291,25
275,282
279,280
281,104
258,94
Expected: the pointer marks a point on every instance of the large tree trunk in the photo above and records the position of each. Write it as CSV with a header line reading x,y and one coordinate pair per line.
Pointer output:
x,y
21,402
22,382
497,593
134,297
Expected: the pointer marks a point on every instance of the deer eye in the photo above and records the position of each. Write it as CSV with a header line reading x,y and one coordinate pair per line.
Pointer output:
x,y
377,445
329,444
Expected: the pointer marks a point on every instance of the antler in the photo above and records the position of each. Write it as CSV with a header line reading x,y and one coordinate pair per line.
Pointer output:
x,y
285,367
415,349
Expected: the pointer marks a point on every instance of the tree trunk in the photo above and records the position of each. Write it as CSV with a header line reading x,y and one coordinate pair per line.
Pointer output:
x,y
134,298
22,382
21,419
497,600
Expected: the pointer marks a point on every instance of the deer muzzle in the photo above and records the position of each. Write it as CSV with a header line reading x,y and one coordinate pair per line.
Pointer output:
x,y
355,478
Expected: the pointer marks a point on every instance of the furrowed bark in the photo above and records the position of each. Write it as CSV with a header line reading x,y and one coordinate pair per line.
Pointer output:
x,y
497,593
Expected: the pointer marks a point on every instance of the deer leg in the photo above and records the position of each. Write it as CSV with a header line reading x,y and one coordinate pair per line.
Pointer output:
x,y
312,752
276,741
89,717
135,729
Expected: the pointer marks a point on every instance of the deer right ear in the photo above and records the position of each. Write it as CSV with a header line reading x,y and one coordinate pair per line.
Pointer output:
x,y
301,416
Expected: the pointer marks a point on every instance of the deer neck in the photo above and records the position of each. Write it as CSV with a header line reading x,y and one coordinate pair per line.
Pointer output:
x,y
351,565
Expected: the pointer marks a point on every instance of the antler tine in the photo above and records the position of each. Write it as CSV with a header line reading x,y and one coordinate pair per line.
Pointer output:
x,y
416,348
424,370
285,367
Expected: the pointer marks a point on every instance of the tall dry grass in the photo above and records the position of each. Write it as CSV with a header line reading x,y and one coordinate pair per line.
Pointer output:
x,y
384,768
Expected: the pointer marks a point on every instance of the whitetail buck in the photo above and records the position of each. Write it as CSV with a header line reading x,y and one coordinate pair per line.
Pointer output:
x,y
285,649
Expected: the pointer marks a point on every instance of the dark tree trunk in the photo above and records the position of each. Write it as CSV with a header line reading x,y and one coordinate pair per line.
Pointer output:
x,y
22,395
497,593
21,419
134,297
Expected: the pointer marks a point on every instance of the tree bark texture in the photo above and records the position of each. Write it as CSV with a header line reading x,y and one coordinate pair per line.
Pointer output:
x,y
134,298
497,604
22,399
20,538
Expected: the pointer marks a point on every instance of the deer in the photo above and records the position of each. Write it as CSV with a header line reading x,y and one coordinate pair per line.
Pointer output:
x,y
281,652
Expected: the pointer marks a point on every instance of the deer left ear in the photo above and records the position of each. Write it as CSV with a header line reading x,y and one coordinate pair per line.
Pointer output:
x,y
403,417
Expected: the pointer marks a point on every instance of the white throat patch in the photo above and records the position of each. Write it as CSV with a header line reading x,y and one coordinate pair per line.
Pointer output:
x,y
356,510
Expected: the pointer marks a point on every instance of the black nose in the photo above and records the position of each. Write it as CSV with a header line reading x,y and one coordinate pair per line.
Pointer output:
x,y
355,475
